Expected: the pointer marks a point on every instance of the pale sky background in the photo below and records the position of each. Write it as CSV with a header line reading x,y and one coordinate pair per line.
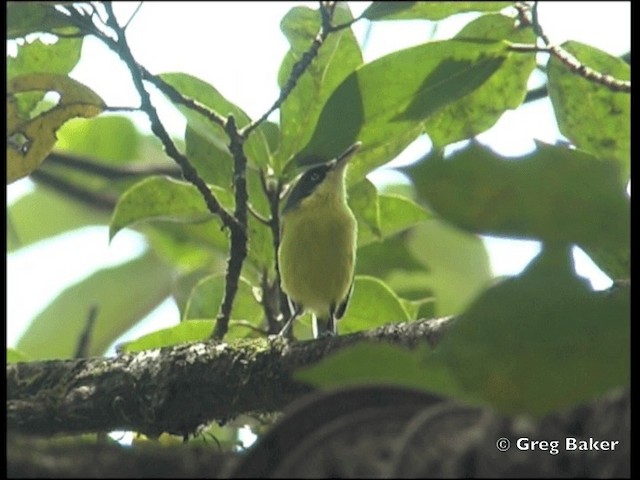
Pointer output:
x,y
238,47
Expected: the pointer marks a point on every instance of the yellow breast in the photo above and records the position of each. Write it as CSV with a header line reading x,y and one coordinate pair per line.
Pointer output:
x,y
317,254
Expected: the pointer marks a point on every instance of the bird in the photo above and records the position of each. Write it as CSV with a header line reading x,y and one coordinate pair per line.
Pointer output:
x,y
317,251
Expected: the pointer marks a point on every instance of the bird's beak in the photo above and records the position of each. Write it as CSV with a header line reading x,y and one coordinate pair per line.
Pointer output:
x,y
344,157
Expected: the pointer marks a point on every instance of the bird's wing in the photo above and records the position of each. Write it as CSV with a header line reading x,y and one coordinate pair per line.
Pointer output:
x,y
340,309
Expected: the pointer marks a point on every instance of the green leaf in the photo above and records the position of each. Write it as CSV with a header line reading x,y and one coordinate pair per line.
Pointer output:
x,y
190,331
30,141
456,267
338,57
554,194
163,198
372,304
123,294
376,364
416,82
15,356
211,159
427,10
113,139
38,57
397,213
505,89
363,201
54,212
256,147
29,17
591,115
206,297
542,341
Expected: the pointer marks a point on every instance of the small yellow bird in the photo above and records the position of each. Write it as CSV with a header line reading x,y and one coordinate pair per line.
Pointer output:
x,y
317,251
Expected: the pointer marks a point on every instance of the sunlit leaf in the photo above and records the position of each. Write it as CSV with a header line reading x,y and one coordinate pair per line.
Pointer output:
x,y
28,17
256,147
184,332
15,356
372,304
591,115
206,297
123,295
427,10
113,138
163,198
363,201
339,56
415,82
505,89
55,214
30,141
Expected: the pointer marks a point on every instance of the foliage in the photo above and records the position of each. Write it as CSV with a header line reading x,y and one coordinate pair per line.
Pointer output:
x,y
532,343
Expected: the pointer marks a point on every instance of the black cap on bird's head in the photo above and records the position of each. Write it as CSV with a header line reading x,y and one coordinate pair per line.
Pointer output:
x,y
313,177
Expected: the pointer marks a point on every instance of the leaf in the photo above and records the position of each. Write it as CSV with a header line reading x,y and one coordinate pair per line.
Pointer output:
x,y
28,17
415,82
592,116
39,57
55,214
113,139
505,89
363,201
456,267
189,331
163,198
256,147
376,364
15,356
123,295
554,194
427,10
338,57
372,304
206,296
540,342
29,142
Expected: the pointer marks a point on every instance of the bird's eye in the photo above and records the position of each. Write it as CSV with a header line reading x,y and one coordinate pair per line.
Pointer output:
x,y
315,176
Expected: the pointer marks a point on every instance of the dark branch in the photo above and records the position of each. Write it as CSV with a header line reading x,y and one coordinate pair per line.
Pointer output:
x,y
110,172
121,47
177,389
176,97
102,201
530,17
238,251
300,66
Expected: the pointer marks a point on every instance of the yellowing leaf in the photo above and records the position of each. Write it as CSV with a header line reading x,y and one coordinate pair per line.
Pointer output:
x,y
30,141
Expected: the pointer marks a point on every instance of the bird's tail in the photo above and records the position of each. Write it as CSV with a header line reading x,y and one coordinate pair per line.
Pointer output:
x,y
324,327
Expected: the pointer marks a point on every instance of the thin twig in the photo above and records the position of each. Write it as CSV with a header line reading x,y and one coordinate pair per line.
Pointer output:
x,y
121,47
257,216
82,349
575,66
133,15
299,67
176,97
529,16
97,200
109,171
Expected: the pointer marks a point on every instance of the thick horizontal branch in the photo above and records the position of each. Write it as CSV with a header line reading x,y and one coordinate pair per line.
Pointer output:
x,y
176,389
424,437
